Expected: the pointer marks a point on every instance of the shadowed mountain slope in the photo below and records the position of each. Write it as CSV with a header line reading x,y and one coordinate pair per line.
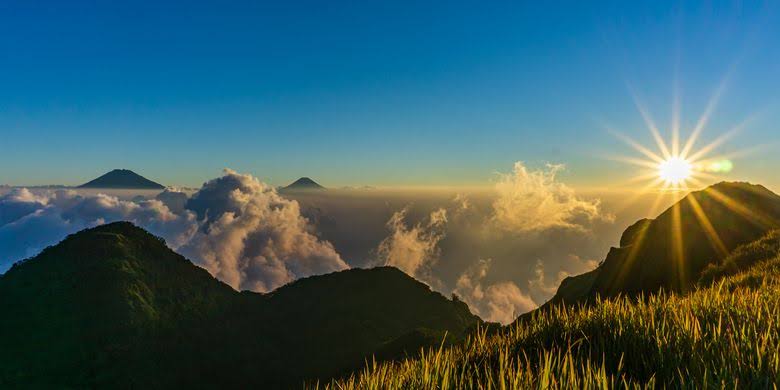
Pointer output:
x,y
122,179
671,251
113,306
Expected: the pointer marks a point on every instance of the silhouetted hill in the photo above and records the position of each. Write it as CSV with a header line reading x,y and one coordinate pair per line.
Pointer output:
x,y
672,251
114,307
304,183
124,179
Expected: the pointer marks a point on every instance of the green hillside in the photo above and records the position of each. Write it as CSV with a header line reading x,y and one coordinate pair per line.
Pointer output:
x,y
726,335
114,307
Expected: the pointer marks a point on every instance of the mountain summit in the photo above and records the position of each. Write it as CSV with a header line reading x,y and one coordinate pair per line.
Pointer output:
x,y
123,179
304,183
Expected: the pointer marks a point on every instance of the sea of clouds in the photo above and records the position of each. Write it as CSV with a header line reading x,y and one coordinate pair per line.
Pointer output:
x,y
239,229
503,254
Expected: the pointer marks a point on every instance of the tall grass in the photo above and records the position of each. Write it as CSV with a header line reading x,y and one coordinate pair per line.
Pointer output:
x,y
726,335
742,258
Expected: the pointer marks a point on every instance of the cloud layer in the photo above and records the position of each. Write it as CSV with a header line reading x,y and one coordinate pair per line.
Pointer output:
x,y
249,236
236,227
31,222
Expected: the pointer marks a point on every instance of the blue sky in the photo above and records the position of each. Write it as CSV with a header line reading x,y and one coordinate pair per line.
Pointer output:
x,y
377,93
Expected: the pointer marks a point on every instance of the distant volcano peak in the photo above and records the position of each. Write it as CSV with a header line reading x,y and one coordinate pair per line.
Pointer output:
x,y
122,178
304,183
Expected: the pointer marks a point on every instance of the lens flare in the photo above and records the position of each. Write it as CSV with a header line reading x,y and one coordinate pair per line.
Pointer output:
x,y
721,166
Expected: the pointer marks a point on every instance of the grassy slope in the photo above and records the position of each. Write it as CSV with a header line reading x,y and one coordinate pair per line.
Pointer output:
x,y
726,334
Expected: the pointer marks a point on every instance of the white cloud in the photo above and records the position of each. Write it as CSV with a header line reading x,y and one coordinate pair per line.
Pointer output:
x,y
497,302
33,221
18,203
413,249
534,200
174,199
252,238
236,227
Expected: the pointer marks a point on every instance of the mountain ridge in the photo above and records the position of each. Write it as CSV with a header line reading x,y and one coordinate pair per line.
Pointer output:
x,y
113,304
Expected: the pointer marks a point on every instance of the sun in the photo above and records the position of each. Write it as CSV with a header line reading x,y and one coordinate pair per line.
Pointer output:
x,y
675,170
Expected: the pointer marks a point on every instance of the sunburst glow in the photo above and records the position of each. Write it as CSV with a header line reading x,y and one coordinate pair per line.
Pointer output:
x,y
678,163
675,170
671,167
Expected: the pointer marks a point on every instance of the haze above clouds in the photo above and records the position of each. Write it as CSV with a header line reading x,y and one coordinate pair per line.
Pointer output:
x,y
493,249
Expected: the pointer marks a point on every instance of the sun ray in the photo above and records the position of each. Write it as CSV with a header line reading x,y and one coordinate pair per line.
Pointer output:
x,y
632,253
650,123
642,191
676,120
702,152
634,161
742,210
741,152
637,146
657,203
703,119
649,176
718,141
696,182
704,221
702,175
678,253
652,174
